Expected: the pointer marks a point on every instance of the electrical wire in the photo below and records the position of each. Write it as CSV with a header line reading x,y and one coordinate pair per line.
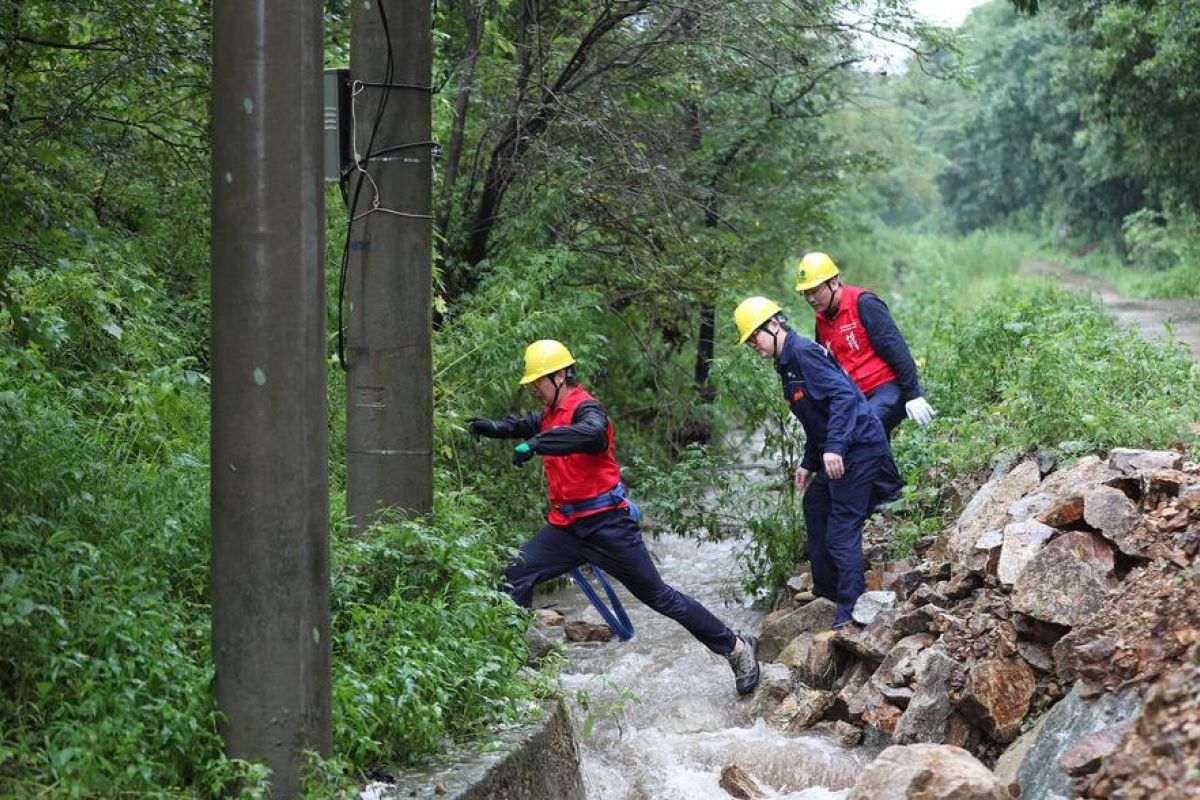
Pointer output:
x,y
388,75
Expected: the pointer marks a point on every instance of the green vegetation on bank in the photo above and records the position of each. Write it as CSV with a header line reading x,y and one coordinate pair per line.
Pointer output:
x,y
1012,365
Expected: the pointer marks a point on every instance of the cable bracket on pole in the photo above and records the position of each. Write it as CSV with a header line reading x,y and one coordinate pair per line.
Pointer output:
x,y
384,85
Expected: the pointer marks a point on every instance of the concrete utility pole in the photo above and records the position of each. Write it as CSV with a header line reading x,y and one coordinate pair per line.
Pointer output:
x,y
389,414
270,475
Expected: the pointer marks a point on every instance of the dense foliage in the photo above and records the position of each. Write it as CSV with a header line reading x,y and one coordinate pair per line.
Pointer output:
x,y
1077,122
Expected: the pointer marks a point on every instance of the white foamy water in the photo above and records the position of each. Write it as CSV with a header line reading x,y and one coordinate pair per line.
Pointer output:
x,y
658,717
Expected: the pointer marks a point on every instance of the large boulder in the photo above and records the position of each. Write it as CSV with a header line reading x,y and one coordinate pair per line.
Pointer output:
x,y
1159,753
781,627
1064,725
988,510
996,696
801,709
929,711
1109,511
1130,462
921,771
1068,581
1072,481
1014,756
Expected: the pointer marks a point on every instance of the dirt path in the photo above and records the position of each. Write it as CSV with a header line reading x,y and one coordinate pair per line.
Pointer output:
x,y
1149,316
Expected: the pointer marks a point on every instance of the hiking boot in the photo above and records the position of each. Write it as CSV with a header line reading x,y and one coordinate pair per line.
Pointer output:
x,y
744,664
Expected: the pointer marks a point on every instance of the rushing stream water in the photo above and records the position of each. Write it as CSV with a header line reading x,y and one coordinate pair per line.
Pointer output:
x,y
658,717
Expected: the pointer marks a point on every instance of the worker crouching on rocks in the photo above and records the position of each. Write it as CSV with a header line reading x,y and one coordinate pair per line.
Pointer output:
x,y
842,472
590,521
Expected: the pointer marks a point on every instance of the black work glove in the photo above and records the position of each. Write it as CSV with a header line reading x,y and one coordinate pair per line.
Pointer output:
x,y
483,427
522,453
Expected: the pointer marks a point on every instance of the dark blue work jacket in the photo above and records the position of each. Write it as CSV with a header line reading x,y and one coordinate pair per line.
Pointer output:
x,y
833,411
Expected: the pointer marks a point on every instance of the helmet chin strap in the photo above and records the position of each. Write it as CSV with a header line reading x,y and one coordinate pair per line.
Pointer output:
x,y
835,298
558,387
775,346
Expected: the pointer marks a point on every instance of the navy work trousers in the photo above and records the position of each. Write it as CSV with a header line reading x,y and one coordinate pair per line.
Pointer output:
x,y
888,404
612,541
834,513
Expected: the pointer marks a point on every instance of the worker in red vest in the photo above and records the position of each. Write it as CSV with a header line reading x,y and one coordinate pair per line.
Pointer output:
x,y
856,326
590,520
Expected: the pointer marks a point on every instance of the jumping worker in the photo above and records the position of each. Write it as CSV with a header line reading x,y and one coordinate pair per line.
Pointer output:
x,y
590,521
846,450
857,327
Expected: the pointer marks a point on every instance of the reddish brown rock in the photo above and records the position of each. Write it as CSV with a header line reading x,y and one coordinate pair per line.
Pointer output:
x,y
739,784
1161,484
1141,632
996,696
1067,581
582,631
1063,512
1158,755
1037,655
883,717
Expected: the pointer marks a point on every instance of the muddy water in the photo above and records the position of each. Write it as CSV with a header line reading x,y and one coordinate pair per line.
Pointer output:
x,y
658,717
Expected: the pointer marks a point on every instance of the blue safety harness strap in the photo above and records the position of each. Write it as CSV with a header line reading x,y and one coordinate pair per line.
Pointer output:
x,y
610,499
616,618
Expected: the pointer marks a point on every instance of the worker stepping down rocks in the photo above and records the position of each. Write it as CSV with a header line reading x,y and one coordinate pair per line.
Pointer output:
x,y
846,452
590,520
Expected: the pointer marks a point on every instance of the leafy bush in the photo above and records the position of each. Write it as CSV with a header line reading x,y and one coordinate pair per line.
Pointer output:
x,y
424,644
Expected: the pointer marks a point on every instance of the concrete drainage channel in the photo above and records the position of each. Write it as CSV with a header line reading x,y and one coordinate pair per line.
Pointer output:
x,y
533,762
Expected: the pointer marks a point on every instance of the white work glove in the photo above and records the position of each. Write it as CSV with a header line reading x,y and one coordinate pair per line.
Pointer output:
x,y
919,411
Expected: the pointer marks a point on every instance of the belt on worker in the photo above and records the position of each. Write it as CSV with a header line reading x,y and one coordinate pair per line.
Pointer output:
x,y
610,499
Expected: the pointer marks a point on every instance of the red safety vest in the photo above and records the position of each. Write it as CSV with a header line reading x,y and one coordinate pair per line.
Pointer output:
x,y
847,339
578,476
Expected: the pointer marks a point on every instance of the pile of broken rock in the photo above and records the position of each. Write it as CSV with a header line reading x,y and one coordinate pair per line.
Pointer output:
x,y
1046,645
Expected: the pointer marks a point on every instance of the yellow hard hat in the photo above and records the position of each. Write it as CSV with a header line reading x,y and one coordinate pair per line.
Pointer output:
x,y
544,357
813,270
751,313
